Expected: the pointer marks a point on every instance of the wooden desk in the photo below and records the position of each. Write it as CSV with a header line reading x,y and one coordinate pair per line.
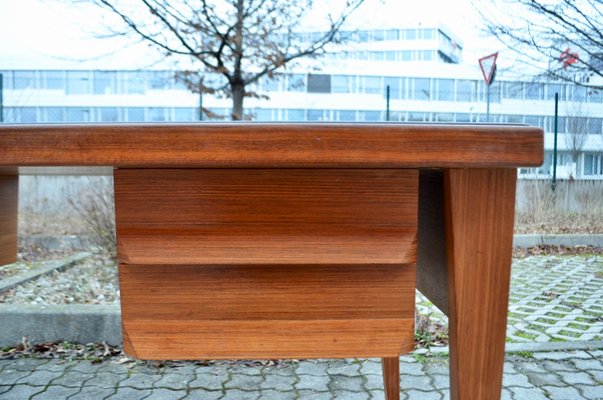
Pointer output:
x,y
300,240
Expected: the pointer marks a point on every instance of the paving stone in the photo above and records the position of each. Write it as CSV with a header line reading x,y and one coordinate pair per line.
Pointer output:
x,y
373,382
279,382
235,394
436,368
138,380
313,395
561,355
105,380
506,394
371,368
441,381
209,381
341,382
559,366
524,367
21,392
420,395
312,368
57,365
203,394
86,367
312,382
39,378
244,382
591,392
411,369
128,393
533,393
72,379
345,369
379,395
277,395
246,370
92,392
5,388
516,380
589,365
548,378
596,353
27,364
166,394
56,392
574,378
347,395
173,381
284,370
563,393
597,375
416,382
11,376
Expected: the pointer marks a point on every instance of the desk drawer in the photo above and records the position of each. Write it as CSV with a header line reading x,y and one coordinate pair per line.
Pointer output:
x,y
266,216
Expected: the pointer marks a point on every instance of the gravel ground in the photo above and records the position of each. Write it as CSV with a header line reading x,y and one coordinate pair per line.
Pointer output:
x,y
94,281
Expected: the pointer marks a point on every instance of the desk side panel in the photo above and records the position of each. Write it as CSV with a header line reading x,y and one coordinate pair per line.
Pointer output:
x,y
9,198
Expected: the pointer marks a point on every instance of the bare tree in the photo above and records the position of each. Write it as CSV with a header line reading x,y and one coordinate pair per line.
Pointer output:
x,y
236,41
576,133
563,37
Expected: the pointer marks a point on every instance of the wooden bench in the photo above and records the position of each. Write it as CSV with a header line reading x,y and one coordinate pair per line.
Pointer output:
x,y
248,241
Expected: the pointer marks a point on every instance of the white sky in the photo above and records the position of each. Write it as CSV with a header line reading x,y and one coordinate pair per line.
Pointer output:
x,y
46,32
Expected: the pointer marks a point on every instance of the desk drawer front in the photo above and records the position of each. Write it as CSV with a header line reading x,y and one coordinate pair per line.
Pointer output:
x,y
266,216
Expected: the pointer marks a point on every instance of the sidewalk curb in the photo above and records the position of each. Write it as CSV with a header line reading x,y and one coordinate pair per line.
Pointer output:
x,y
81,323
51,266
87,323
595,240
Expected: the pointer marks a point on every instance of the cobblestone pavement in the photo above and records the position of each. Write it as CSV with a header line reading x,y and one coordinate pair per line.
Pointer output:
x,y
552,299
531,376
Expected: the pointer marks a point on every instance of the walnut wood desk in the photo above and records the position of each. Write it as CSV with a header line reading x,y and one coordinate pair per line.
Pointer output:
x,y
299,240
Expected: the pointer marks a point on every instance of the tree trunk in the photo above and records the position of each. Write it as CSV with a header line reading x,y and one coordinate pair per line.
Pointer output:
x,y
238,94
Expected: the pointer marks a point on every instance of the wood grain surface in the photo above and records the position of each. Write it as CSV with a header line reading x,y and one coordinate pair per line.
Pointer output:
x,y
266,216
480,207
391,377
336,145
193,311
9,196
432,262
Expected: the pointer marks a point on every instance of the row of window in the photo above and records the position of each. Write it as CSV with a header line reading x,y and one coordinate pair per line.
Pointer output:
x,y
374,35
129,82
587,164
388,55
189,114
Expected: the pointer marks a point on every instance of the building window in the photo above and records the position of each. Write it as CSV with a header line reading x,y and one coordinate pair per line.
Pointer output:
x,y
28,114
7,79
135,114
347,115
421,88
55,114
157,114
392,34
263,114
295,114
593,164
394,87
104,82
534,91
372,85
185,114
77,114
319,83
296,83
54,80
24,80
108,114
464,90
445,89
133,82
160,80
372,116
78,82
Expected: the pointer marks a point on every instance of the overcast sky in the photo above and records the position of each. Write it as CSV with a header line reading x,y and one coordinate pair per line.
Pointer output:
x,y
45,32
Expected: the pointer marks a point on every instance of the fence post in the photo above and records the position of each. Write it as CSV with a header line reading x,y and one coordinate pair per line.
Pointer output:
x,y
554,183
387,103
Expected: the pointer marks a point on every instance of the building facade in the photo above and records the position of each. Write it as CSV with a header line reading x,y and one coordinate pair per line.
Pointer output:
x,y
420,67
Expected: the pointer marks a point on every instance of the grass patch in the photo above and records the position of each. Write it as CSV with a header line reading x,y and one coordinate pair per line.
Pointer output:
x,y
526,335
523,354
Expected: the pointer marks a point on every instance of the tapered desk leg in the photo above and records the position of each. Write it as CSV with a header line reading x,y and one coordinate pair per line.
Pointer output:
x,y
479,228
391,377
9,193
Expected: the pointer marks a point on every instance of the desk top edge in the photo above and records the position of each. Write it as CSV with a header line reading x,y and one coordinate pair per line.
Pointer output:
x,y
263,145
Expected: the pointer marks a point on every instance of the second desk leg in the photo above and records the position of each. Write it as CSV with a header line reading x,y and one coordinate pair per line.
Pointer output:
x,y
479,209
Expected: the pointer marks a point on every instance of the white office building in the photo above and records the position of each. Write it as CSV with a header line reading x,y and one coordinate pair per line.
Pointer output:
x,y
422,66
